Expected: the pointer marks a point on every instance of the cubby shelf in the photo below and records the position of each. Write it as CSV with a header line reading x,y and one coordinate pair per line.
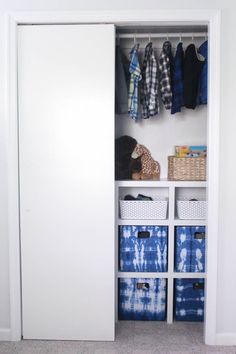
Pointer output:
x,y
142,275
161,222
192,222
171,190
161,183
166,275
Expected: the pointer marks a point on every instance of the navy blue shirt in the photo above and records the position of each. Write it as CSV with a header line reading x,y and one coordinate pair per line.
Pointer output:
x,y
202,99
178,80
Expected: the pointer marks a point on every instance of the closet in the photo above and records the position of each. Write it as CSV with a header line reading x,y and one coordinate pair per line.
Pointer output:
x,y
69,200
181,274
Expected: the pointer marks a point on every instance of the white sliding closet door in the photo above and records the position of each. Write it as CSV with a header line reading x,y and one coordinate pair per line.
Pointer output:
x,y
66,128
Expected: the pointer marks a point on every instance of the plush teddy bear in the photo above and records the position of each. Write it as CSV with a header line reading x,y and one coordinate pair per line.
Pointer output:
x,y
150,168
125,166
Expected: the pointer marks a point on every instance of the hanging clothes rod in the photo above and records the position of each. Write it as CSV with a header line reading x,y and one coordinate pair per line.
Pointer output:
x,y
161,35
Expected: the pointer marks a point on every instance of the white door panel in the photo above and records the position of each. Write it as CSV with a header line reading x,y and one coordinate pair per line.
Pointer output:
x,y
66,127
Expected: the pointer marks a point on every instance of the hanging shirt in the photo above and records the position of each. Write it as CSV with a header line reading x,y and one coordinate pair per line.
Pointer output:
x,y
135,77
149,85
165,64
178,80
202,98
193,63
121,90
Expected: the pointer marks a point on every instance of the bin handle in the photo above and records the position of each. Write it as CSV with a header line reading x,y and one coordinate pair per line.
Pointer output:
x,y
143,286
198,286
199,235
143,234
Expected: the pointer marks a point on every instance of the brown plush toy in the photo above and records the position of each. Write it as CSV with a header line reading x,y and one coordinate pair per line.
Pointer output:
x,y
150,168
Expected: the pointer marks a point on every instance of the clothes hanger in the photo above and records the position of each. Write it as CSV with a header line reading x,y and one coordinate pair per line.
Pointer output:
x,y
180,40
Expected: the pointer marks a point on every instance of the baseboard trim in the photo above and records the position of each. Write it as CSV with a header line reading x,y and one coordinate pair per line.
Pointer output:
x,y
5,334
225,339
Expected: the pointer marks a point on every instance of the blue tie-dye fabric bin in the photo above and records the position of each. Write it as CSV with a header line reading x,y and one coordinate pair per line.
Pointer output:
x,y
189,299
190,249
143,248
142,299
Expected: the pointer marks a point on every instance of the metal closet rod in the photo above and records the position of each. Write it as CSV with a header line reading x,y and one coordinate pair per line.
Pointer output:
x,y
161,35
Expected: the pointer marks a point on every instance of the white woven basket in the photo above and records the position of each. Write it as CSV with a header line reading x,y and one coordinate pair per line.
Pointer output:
x,y
139,209
191,209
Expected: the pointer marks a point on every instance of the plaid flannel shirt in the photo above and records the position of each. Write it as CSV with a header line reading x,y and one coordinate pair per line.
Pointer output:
x,y
149,87
165,74
178,80
135,77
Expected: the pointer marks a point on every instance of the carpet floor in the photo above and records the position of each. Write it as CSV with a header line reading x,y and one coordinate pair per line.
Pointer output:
x,y
131,338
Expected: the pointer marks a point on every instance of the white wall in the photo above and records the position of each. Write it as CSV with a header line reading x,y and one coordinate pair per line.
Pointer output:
x,y
226,311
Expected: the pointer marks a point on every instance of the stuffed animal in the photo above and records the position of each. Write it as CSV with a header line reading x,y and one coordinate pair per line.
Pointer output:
x,y
150,168
125,166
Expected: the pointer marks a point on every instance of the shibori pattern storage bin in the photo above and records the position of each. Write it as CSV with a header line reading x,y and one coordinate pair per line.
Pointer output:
x,y
143,248
190,249
142,299
191,209
189,299
139,209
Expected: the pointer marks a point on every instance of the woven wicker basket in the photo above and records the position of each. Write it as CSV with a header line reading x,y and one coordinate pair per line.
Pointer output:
x,y
186,168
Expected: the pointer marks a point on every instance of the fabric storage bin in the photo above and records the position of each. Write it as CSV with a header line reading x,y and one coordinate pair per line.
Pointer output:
x,y
189,299
192,209
186,168
143,248
190,249
138,209
142,299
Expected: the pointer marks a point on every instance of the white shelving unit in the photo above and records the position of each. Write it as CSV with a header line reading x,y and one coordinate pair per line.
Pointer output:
x,y
171,222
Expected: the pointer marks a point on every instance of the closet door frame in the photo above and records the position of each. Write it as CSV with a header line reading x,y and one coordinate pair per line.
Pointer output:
x,y
160,17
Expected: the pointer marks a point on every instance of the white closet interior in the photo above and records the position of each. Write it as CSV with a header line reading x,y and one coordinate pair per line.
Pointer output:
x,y
160,134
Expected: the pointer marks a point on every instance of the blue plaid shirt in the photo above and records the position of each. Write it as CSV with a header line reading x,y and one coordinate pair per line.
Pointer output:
x,y
178,81
135,77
